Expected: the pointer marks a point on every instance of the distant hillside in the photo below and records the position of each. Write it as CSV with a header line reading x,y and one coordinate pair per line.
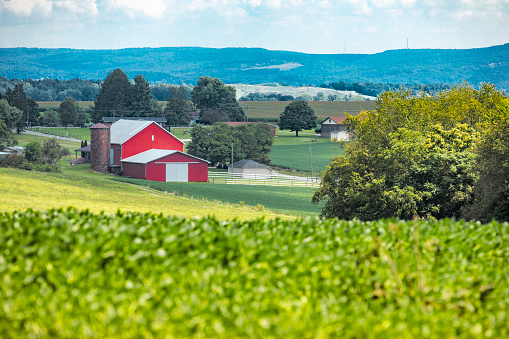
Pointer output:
x,y
256,65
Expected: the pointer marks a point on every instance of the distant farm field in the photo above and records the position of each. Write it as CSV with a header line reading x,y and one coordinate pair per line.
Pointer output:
x,y
71,132
323,109
56,104
267,109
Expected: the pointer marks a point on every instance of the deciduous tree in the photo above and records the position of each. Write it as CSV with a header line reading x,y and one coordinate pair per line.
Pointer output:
x,y
10,115
211,93
68,111
297,116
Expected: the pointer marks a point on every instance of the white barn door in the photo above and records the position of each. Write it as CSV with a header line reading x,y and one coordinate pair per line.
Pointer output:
x,y
177,172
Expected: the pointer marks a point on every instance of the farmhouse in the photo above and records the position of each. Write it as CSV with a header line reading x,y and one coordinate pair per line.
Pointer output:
x,y
165,165
333,124
272,128
249,168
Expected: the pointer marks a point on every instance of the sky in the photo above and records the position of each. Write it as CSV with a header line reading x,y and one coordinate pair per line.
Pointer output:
x,y
309,26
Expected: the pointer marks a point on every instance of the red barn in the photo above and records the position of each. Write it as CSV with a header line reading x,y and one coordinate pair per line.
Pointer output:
x,y
165,165
130,137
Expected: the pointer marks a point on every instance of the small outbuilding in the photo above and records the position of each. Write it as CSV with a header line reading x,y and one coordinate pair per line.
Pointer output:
x,y
165,165
249,168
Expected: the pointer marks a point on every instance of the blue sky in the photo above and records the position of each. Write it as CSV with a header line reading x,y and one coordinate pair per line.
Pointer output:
x,y
310,26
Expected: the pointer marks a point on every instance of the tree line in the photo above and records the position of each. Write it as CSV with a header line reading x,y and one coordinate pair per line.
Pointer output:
x,y
376,88
427,156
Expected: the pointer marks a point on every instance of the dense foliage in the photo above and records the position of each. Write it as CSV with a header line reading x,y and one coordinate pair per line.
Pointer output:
x,y
374,89
216,143
118,97
54,89
212,95
38,156
297,116
129,275
492,190
413,155
178,107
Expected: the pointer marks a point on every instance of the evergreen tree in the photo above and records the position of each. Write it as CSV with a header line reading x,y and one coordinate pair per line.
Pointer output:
x,y
141,101
178,107
114,95
18,98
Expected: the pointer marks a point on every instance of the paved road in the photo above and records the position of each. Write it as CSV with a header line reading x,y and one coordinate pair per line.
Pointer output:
x,y
51,136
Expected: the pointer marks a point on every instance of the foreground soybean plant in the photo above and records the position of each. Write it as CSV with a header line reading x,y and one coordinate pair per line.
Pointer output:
x,y
70,273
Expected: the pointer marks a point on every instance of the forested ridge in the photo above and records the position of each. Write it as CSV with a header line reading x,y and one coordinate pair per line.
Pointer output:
x,y
255,65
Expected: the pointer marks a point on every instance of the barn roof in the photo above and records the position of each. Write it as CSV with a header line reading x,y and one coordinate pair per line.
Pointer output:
x,y
246,163
338,120
154,154
123,130
115,119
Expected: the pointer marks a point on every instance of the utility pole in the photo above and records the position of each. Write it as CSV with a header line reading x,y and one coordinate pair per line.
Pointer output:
x,y
232,157
311,158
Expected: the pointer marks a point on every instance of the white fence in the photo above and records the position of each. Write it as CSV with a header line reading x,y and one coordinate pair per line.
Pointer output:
x,y
274,180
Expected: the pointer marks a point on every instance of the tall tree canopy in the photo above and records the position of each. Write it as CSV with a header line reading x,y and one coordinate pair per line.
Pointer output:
x,y
68,111
10,115
118,97
18,98
212,94
178,107
252,141
297,116
113,98
413,155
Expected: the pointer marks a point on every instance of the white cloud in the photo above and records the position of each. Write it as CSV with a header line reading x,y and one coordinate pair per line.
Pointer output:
x,y
151,8
383,3
27,7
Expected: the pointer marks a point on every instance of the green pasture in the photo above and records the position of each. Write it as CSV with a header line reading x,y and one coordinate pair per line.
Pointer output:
x,y
80,187
292,152
71,132
56,104
287,200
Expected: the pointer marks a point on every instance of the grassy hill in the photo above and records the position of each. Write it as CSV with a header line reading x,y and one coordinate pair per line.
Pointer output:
x,y
257,66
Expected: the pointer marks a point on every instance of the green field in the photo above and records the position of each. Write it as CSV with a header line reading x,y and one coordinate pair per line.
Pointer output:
x,y
323,109
71,132
74,274
292,152
267,109
286,200
80,187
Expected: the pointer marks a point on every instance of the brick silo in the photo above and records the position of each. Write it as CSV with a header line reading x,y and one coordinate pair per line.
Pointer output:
x,y
100,147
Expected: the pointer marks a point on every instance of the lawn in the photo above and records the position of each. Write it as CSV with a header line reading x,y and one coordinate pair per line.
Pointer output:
x,y
289,151
71,132
287,200
80,187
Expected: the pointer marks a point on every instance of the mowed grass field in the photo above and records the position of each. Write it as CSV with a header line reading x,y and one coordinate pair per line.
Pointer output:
x,y
80,187
286,200
292,152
